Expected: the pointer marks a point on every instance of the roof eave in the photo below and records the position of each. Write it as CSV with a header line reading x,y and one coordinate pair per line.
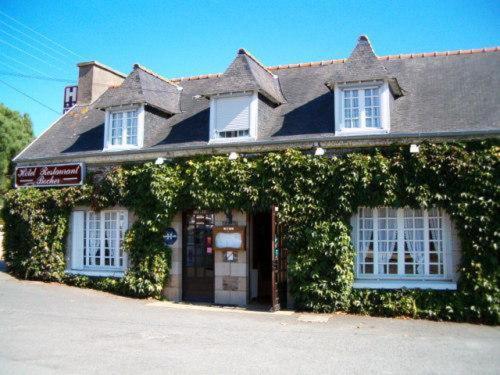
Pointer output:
x,y
393,83
272,98
340,141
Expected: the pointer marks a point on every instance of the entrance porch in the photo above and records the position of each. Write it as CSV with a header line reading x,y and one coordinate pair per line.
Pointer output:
x,y
203,272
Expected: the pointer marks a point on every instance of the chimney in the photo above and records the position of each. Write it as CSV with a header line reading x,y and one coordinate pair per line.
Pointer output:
x,y
94,78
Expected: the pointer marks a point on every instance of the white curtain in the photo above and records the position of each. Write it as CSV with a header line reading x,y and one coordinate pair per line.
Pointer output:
x,y
367,243
364,247
384,257
94,238
416,249
434,230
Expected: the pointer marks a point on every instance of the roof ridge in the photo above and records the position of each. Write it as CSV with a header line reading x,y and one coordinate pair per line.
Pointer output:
x,y
156,75
330,62
243,51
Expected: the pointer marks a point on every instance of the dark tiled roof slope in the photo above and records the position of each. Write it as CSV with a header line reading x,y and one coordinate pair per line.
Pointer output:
x,y
143,86
247,74
447,92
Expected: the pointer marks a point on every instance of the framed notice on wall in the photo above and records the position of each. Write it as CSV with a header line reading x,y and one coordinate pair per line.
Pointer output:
x,y
229,238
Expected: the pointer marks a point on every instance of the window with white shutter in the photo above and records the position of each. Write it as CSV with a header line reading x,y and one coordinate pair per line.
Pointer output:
x,y
232,117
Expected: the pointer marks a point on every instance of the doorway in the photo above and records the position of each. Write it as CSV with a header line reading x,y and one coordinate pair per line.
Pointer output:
x,y
262,257
197,257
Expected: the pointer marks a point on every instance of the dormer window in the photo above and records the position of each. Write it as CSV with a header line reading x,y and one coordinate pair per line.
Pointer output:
x,y
124,128
233,117
362,108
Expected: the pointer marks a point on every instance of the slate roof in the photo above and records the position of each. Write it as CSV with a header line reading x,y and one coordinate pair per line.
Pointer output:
x,y
143,86
363,65
449,93
246,73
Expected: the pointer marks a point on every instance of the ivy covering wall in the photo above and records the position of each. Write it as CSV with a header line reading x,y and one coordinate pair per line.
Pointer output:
x,y
316,197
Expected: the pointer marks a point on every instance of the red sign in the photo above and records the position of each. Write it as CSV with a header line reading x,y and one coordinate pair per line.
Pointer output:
x,y
50,175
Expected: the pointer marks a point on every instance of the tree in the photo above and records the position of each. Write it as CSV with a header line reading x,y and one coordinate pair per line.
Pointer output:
x,y
16,131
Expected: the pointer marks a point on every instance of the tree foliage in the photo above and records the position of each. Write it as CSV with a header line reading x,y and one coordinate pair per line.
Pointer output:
x,y
15,133
316,198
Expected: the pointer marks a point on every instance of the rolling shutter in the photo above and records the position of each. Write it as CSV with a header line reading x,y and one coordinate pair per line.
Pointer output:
x,y
77,231
233,113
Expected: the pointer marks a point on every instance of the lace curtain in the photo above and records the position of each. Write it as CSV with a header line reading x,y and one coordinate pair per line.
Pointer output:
x,y
416,249
392,237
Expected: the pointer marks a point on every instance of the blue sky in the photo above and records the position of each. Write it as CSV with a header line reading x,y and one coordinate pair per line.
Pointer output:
x,y
183,38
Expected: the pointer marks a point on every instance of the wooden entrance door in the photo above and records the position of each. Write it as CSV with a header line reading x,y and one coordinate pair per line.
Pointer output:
x,y
279,265
197,257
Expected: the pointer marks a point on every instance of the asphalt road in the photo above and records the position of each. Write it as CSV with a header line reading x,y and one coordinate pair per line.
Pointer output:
x,y
51,328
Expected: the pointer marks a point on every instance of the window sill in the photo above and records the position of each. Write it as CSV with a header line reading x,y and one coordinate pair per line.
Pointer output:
x,y
344,132
408,284
121,148
97,273
231,140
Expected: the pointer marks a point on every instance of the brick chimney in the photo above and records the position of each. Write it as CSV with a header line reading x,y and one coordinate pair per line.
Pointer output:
x,y
94,78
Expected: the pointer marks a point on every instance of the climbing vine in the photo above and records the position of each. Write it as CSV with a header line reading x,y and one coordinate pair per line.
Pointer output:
x,y
316,196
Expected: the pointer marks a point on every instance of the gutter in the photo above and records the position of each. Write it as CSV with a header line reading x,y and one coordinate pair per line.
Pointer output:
x,y
330,141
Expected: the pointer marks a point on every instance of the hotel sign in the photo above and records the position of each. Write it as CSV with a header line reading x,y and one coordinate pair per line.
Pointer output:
x,y
50,175
70,97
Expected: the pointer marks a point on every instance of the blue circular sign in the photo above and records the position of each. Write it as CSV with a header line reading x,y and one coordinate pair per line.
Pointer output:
x,y
170,236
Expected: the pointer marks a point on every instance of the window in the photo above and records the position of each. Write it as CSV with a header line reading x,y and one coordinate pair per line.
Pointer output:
x,y
401,244
97,240
233,117
124,128
362,109
234,133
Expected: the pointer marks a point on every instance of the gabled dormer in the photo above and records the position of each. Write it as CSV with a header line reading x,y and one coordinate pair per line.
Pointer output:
x,y
363,92
234,99
125,107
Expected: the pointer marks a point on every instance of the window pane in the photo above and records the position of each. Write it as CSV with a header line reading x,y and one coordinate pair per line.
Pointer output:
x,y
387,241
351,109
372,108
94,239
110,237
414,254
116,128
104,250
132,128
121,229
365,242
123,130
380,251
435,225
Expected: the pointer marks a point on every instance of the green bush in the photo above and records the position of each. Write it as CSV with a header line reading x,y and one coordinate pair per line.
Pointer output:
x,y
316,197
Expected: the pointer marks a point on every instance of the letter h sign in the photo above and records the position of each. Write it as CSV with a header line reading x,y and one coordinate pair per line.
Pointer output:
x,y
70,96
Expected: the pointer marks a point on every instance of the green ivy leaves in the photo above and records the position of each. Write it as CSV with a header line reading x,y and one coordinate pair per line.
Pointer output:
x,y
316,197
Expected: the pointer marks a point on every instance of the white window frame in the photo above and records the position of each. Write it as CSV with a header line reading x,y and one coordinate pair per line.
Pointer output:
x,y
214,138
385,104
77,251
401,280
140,129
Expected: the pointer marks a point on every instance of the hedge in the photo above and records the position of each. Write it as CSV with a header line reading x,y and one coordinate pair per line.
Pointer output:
x,y
316,196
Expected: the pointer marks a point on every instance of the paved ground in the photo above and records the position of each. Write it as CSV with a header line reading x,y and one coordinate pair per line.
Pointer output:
x,y
50,328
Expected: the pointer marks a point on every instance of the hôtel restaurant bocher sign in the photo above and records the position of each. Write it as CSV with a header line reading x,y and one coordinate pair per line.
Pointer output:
x,y
50,175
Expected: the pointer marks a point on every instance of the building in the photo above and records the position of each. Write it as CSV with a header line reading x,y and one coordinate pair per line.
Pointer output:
x,y
359,102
